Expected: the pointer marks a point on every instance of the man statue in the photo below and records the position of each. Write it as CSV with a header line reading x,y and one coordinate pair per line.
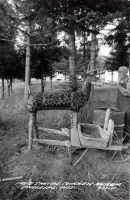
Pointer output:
x,y
123,97
123,81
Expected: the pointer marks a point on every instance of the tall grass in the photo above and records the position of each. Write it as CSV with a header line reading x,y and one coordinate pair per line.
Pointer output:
x,y
14,128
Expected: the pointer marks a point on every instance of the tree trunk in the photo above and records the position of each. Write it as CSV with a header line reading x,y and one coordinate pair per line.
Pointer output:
x,y
72,77
11,85
27,65
51,79
42,71
44,83
51,82
129,60
65,78
84,47
8,90
42,86
72,58
3,88
8,85
30,80
128,21
93,50
42,78
92,67
84,55
112,75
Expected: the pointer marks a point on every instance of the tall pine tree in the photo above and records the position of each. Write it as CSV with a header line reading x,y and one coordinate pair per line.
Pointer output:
x,y
119,54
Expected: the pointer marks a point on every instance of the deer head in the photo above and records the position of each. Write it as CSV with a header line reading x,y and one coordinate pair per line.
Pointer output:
x,y
93,72
91,76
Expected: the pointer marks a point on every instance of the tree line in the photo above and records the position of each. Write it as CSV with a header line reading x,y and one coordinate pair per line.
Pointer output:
x,y
40,54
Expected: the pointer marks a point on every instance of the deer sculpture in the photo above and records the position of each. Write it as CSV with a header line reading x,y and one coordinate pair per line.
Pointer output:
x,y
72,101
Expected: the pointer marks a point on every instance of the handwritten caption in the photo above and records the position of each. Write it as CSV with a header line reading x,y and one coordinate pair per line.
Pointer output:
x,y
67,185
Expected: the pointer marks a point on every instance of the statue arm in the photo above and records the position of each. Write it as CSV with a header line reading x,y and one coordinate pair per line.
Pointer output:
x,y
97,83
125,91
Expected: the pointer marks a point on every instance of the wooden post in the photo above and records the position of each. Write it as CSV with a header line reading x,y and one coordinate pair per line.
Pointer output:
x,y
106,119
111,130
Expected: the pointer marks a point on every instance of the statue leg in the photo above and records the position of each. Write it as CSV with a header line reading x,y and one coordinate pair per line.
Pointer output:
x,y
35,129
31,129
74,119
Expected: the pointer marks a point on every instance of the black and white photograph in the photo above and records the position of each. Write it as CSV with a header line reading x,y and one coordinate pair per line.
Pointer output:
x,y
64,99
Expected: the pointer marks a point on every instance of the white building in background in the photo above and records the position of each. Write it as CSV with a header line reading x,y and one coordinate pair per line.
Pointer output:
x,y
110,76
107,76
59,77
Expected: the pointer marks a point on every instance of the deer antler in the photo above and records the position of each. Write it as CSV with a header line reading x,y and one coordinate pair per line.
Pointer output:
x,y
95,70
101,72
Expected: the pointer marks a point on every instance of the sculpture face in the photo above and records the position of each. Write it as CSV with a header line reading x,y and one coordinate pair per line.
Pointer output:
x,y
121,75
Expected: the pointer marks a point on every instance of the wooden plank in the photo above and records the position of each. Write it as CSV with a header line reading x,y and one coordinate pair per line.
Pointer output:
x,y
52,142
67,143
66,131
80,157
106,119
11,179
111,131
111,148
75,138
53,131
116,148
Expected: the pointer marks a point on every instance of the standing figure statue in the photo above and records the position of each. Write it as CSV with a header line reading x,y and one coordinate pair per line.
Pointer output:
x,y
123,98
123,81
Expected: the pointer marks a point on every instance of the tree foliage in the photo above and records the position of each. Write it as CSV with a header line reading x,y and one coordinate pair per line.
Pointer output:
x,y
45,57
119,39
10,58
47,18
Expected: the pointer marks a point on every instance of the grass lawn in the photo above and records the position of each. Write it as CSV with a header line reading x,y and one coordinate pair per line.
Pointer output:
x,y
50,164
